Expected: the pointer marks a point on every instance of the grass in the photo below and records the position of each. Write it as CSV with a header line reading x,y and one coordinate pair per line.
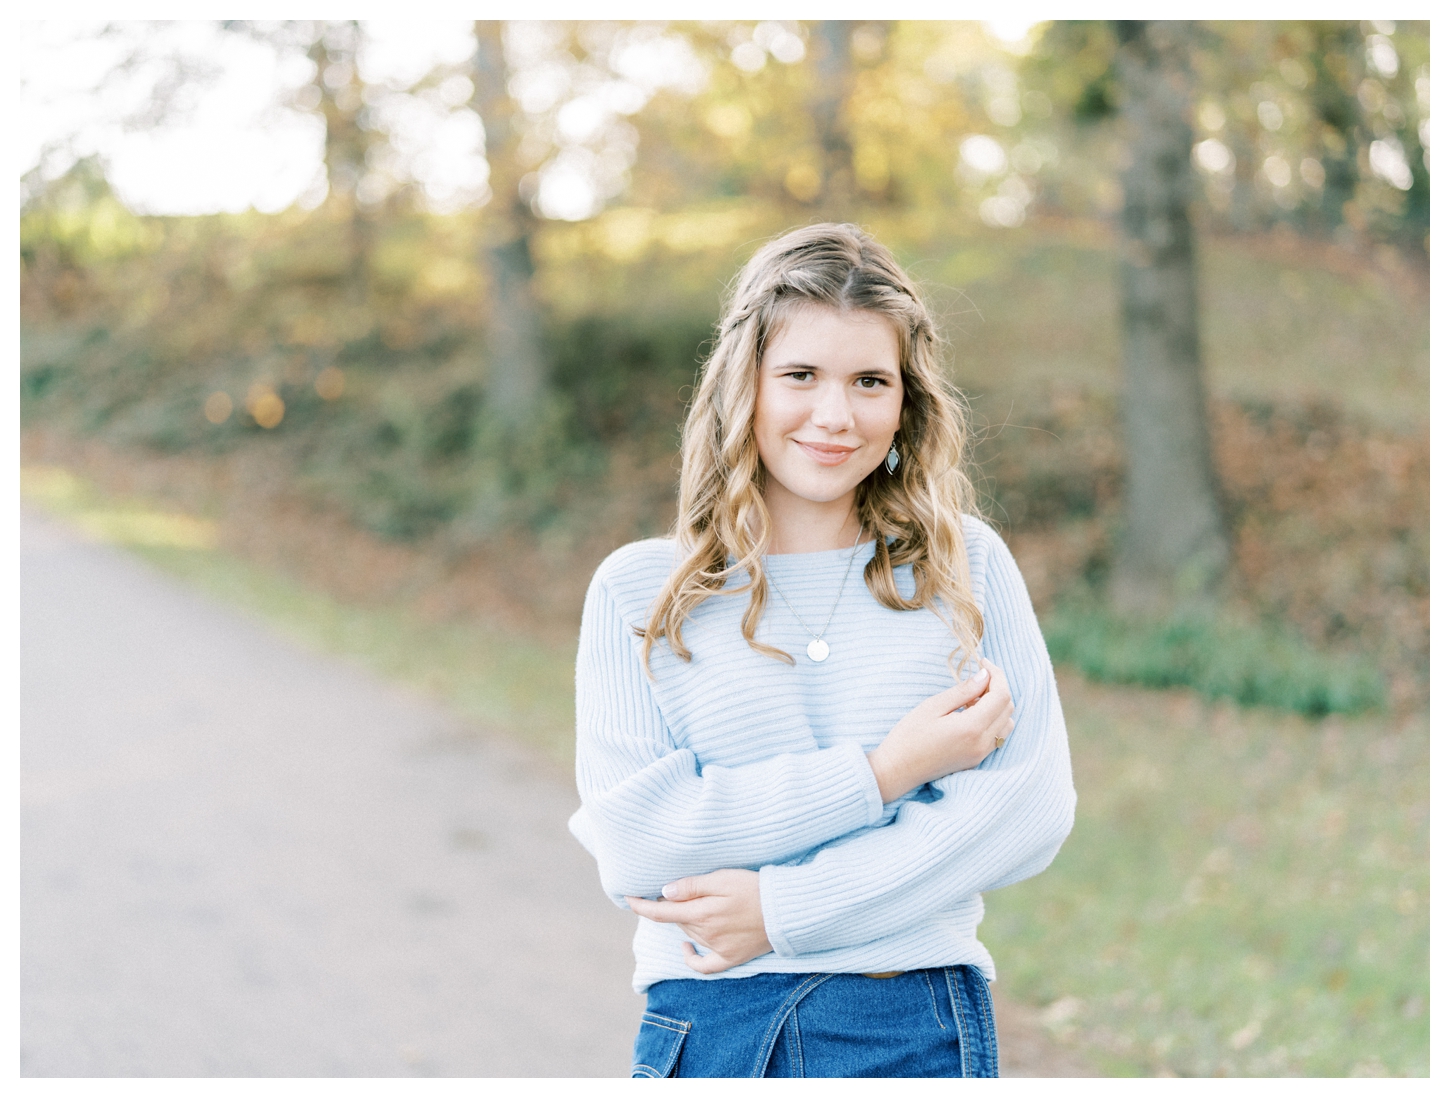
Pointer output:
x,y
1245,891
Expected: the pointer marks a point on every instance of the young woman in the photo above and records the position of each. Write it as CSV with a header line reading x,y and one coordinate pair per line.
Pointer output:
x,y
808,862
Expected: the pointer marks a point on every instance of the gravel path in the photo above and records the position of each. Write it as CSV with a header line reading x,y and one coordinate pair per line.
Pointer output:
x,y
241,858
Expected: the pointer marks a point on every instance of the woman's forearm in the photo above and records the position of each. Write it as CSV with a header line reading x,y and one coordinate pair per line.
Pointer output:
x,y
990,827
664,821
651,813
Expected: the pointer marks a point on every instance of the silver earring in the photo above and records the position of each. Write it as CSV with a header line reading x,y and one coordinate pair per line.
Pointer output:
x,y
893,459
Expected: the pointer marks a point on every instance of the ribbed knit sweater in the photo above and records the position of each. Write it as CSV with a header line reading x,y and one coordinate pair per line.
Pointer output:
x,y
737,760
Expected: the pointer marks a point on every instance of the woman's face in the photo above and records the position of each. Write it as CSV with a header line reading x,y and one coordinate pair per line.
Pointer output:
x,y
828,404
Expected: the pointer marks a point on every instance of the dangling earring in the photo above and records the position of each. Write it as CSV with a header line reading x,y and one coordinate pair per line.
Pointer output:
x,y
893,459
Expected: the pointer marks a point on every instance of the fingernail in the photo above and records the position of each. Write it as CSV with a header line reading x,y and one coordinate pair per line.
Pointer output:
x,y
980,675
670,891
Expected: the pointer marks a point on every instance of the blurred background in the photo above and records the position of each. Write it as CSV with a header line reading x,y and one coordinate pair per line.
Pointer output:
x,y
384,332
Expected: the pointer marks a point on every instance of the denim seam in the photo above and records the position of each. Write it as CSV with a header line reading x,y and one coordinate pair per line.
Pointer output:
x,y
964,1040
794,1044
670,1025
925,975
666,1023
801,990
985,1012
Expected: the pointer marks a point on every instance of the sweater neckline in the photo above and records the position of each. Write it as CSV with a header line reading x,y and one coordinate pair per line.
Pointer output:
x,y
781,563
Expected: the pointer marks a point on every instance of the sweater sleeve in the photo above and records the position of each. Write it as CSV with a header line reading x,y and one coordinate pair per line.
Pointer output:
x,y
652,814
992,826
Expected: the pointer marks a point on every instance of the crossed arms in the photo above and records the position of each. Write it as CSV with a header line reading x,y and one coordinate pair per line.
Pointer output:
x,y
652,817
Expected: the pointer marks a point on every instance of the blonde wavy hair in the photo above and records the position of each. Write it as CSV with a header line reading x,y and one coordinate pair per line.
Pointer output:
x,y
914,517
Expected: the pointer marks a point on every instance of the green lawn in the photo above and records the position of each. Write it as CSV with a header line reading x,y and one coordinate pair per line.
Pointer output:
x,y
1245,892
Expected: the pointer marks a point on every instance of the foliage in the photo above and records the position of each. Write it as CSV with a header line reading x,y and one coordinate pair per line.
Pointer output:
x,y
346,345
381,400
1331,543
1252,663
1319,125
1328,504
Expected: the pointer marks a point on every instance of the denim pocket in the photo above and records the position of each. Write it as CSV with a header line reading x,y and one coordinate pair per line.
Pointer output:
x,y
657,1048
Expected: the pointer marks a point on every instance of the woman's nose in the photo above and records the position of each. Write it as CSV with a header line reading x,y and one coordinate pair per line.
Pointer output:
x,y
833,409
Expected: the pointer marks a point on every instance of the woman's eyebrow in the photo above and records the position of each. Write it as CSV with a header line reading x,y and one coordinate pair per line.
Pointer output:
x,y
870,371
801,365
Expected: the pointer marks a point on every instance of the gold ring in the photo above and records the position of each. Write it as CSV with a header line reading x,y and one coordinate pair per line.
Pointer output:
x,y
1000,741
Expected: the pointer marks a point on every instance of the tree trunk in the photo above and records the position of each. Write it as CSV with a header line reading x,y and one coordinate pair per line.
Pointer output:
x,y
1173,546
345,145
1338,68
515,335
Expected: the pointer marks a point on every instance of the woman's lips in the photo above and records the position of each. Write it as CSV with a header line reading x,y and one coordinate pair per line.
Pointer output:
x,y
825,453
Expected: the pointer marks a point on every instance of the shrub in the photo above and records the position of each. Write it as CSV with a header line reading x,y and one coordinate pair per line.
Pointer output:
x,y
1252,663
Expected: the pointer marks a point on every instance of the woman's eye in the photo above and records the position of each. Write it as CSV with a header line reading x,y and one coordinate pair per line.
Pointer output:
x,y
872,382
799,375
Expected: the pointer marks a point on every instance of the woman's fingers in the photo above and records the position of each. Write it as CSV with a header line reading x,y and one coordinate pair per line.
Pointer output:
x,y
722,882
991,694
663,911
686,888
987,709
676,892
706,963
999,725
963,693
998,679
1000,729
640,906
987,720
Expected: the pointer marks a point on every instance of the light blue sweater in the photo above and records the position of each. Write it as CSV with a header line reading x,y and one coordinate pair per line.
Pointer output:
x,y
736,760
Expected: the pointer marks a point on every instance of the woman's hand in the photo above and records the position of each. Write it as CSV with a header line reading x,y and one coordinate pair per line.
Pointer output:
x,y
718,911
940,737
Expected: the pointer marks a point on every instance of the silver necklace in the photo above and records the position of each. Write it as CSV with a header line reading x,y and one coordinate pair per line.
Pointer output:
x,y
818,649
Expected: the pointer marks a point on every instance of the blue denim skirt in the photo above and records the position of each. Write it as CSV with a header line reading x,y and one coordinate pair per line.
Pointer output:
x,y
934,1022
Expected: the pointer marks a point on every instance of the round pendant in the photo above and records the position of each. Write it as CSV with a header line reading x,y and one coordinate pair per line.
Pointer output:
x,y
818,650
